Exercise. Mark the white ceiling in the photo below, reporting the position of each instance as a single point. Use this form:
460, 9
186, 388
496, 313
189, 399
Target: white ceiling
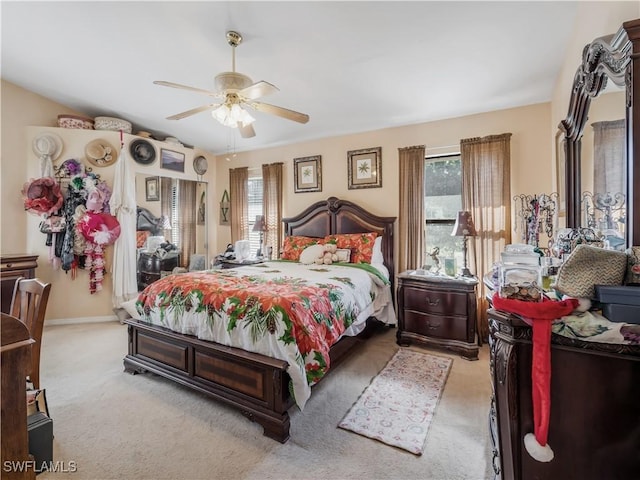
351, 66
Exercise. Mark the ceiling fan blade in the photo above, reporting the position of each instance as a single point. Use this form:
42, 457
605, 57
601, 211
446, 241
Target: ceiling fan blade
258, 89
247, 131
280, 111
193, 111
186, 87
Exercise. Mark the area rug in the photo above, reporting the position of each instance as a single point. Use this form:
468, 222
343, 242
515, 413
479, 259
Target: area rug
398, 405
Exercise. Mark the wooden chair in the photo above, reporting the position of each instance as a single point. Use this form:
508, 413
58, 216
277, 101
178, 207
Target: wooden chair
29, 304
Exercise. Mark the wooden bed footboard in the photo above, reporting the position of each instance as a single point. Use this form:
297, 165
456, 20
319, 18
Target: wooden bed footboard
255, 384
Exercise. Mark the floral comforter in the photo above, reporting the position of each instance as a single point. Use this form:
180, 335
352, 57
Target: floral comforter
285, 310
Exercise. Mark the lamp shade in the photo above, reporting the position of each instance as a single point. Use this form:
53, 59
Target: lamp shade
164, 223
259, 226
464, 225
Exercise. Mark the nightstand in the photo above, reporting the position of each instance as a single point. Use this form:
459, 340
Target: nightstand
151, 267
438, 311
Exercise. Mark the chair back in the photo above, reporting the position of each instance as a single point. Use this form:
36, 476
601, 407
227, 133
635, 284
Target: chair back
29, 303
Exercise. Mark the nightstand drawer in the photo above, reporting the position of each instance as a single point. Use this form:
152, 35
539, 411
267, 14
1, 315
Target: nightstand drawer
435, 302
438, 326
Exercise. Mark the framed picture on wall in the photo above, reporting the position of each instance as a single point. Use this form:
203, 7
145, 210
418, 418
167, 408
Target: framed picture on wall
365, 168
172, 160
307, 174
152, 189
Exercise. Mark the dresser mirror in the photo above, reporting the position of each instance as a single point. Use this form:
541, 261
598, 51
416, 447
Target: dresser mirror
601, 161
178, 207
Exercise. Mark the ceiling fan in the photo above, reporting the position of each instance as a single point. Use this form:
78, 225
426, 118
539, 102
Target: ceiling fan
236, 91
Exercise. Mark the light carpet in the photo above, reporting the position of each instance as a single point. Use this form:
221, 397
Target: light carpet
399, 404
114, 425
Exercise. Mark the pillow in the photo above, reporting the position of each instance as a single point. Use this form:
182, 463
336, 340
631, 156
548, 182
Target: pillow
633, 265
344, 255
310, 253
141, 237
377, 251
293, 246
588, 266
360, 244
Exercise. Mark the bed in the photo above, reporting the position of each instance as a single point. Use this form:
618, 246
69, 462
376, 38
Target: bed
262, 384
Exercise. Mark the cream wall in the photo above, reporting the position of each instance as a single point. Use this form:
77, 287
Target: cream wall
530, 158
594, 19
69, 298
19, 109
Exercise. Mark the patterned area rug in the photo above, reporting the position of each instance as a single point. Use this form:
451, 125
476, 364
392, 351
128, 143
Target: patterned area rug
398, 405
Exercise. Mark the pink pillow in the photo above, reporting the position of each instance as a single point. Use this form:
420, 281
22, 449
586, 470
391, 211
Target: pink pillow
360, 244
293, 246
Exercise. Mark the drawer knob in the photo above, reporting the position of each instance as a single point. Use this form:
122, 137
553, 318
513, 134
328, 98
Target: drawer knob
433, 303
9, 265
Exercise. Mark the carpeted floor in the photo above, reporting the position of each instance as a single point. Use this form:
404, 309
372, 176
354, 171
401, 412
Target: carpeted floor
113, 425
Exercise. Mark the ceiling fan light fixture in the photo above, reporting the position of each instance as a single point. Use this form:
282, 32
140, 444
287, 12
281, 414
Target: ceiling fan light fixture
233, 116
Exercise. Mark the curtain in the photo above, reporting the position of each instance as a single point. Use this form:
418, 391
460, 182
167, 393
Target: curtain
272, 206
609, 157
486, 193
166, 196
238, 186
411, 214
187, 213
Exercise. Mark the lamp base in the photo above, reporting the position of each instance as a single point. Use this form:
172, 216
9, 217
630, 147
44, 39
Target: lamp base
465, 272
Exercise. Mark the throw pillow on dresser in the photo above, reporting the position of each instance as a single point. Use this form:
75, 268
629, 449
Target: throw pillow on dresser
633, 266
588, 266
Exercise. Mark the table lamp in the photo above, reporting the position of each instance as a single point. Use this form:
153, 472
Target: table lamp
259, 226
464, 228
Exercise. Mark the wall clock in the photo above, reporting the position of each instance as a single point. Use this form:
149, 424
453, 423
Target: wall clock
200, 165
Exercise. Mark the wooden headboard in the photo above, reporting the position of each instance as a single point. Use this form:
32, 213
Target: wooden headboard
334, 216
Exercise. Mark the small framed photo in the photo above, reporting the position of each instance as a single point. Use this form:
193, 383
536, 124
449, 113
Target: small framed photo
172, 160
152, 189
365, 168
307, 174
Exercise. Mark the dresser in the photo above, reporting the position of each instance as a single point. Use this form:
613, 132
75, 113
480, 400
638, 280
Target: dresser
151, 267
438, 311
12, 267
594, 427
15, 352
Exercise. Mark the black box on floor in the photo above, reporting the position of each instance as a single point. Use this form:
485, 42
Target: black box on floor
40, 428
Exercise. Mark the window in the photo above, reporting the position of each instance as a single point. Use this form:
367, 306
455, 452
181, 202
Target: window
442, 201
255, 208
174, 195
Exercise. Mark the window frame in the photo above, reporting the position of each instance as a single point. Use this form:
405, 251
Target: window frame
440, 221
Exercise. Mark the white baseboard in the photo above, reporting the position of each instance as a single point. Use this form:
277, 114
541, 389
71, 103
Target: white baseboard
71, 321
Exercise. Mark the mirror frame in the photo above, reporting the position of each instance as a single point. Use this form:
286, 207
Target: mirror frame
615, 58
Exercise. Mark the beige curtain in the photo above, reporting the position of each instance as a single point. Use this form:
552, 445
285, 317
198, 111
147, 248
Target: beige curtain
486, 194
186, 220
411, 215
166, 197
609, 157
238, 185
272, 206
